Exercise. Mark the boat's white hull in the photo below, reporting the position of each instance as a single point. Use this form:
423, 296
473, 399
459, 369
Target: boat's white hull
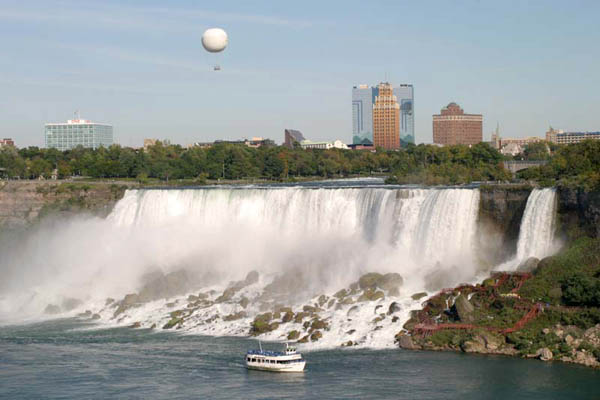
293, 367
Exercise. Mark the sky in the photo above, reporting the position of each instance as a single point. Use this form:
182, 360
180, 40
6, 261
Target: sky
140, 65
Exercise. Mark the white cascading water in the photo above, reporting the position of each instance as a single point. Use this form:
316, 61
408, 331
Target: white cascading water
328, 236
538, 225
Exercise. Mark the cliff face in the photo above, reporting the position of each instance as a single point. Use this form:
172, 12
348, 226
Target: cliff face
579, 212
23, 202
500, 211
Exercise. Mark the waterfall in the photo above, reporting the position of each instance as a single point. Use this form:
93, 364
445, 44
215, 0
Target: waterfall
536, 235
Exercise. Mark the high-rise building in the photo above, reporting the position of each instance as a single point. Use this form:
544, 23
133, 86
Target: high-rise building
78, 132
561, 137
386, 118
363, 101
291, 136
453, 126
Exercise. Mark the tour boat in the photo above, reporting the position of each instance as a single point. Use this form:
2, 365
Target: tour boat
288, 361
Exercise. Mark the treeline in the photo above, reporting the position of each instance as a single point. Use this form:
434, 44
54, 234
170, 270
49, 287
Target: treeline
414, 164
423, 164
570, 165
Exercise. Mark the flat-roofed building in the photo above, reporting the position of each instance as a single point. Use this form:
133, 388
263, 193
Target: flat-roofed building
562, 137
77, 132
453, 126
7, 142
386, 118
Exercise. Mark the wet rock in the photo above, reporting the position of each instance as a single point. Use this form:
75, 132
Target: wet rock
346, 301
161, 286
331, 303
340, 294
351, 332
71, 304
136, 325
191, 298
371, 295
227, 295
394, 308
95, 317
300, 316
319, 324
352, 311
52, 309
306, 325
153, 326
464, 309
395, 319
173, 322
304, 339
287, 317
311, 309
349, 343
528, 265
405, 342
171, 305
235, 316
293, 335
377, 307
251, 278
261, 324
375, 280
129, 301
85, 314
316, 335
418, 296
244, 302
378, 319
109, 301
322, 300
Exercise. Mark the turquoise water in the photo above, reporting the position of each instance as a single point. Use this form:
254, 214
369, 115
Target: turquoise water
68, 359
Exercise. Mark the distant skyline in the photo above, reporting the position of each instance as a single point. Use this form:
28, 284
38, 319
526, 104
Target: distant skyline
141, 66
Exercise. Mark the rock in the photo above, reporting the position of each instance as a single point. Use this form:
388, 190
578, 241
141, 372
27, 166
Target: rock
287, 317
395, 319
369, 281
394, 308
251, 278
191, 298
378, 319
418, 296
52, 309
555, 293
300, 316
377, 307
352, 311
349, 343
153, 326
95, 317
464, 309
440, 278
319, 324
136, 325
322, 300
171, 305
161, 286
475, 345
316, 335
311, 309
306, 324
346, 301
545, 354
331, 303
109, 301
340, 294
85, 314
391, 281
244, 302
235, 316
371, 295
293, 335
569, 339
528, 265
395, 292
304, 339
227, 295
174, 321
261, 324
351, 332
405, 342
70, 304
129, 301
546, 331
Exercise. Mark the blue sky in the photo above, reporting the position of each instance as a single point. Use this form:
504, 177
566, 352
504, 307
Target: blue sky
140, 66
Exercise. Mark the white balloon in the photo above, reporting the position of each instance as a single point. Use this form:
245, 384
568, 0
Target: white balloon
215, 40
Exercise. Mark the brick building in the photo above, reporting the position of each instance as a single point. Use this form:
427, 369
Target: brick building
453, 126
386, 118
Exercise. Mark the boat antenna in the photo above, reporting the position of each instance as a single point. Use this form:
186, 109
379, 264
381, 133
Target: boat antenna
259, 345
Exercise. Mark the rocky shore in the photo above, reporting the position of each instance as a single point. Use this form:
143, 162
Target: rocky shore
546, 309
